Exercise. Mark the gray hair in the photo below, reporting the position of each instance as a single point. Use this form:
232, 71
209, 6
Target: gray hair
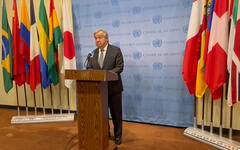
101, 30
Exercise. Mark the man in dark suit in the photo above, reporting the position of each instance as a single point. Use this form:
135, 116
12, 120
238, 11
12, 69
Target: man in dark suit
109, 57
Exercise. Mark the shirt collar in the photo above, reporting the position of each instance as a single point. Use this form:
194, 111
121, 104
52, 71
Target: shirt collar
104, 49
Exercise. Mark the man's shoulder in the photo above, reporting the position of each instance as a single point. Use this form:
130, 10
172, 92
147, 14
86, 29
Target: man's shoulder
113, 47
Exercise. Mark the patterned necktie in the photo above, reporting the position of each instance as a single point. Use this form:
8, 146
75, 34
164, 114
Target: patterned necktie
100, 61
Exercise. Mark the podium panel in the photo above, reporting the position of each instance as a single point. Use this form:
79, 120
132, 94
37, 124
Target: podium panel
92, 115
92, 98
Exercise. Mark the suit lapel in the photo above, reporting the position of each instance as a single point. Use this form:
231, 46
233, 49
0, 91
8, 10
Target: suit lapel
96, 58
106, 56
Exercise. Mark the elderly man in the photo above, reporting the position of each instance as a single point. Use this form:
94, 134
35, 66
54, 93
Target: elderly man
109, 57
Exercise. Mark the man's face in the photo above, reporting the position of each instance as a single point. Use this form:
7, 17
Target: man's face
100, 40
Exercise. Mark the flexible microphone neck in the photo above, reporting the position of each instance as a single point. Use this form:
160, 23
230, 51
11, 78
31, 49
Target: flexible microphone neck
87, 59
88, 56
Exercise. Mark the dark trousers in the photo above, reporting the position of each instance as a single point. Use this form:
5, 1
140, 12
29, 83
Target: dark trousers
115, 106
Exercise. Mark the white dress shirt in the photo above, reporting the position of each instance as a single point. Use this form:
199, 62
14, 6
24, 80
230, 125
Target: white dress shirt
104, 52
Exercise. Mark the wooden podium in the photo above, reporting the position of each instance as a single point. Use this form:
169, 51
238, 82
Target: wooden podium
92, 98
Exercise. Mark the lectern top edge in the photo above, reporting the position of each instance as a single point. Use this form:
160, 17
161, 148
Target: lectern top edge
91, 75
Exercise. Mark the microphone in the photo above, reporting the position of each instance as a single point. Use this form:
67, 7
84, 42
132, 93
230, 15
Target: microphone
90, 54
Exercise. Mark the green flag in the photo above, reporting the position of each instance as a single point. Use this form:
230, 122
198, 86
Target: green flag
7, 51
43, 31
55, 37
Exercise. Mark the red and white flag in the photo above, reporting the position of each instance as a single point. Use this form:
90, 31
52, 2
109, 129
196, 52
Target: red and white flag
34, 65
235, 66
69, 59
216, 64
231, 64
193, 44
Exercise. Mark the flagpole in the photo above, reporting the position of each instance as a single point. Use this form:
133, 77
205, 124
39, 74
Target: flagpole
26, 99
60, 98
221, 116
18, 109
51, 99
60, 95
211, 122
35, 103
231, 120
203, 102
68, 100
195, 110
43, 100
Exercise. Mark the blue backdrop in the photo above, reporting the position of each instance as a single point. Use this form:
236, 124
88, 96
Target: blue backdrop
151, 35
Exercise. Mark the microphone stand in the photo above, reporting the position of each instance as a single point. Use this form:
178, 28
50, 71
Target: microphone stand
87, 60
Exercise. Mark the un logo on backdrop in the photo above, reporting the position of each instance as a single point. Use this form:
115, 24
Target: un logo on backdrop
98, 14
185, 28
137, 33
157, 19
137, 77
79, 64
116, 23
77, 26
138, 97
183, 52
157, 43
115, 2
137, 55
117, 43
128, 97
136, 10
78, 46
158, 88
157, 66
187, 4
76, 7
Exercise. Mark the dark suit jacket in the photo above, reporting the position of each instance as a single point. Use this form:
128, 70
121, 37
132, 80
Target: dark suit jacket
113, 61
